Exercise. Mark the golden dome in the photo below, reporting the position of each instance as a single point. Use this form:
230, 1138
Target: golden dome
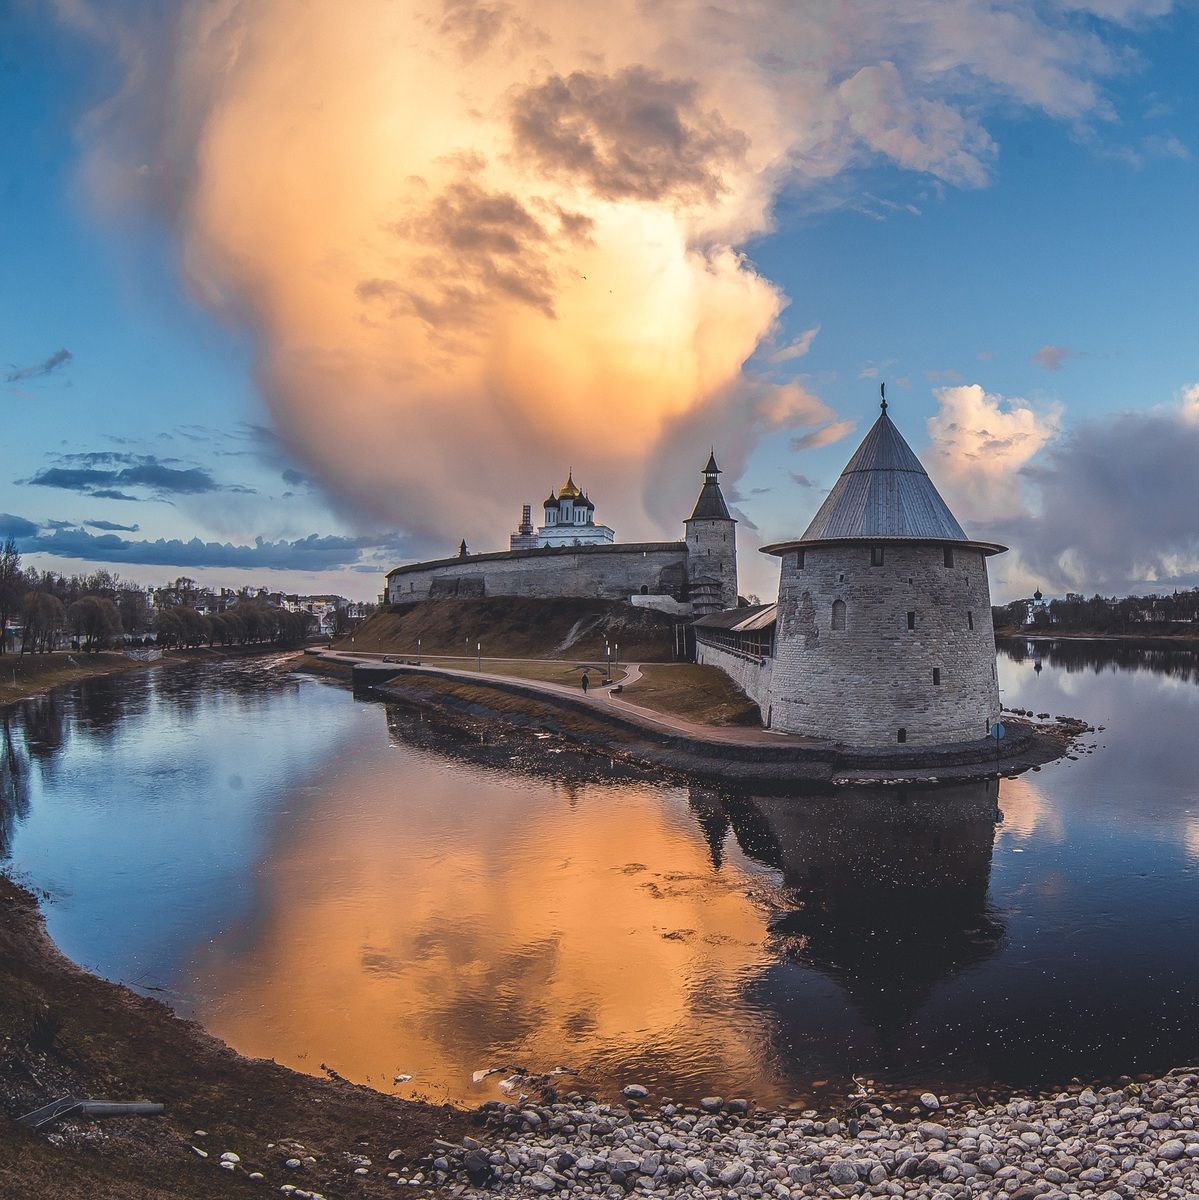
569, 488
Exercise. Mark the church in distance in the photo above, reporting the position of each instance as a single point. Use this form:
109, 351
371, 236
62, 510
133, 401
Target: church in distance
881, 634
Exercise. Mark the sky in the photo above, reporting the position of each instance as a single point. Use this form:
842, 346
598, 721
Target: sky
294, 293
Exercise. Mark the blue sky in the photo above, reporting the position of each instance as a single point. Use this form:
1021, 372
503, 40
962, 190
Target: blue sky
1063, 286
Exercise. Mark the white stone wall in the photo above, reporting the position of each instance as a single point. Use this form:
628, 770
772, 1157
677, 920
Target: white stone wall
860, 685
712, 546
751, 675
599, 572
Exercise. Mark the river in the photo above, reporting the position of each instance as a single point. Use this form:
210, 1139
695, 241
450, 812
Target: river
328, 881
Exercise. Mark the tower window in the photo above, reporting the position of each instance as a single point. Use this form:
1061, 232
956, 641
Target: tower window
949, 556
876, 556
911, 620
838, 614
799, 560
969, 620
936, 675
901, 735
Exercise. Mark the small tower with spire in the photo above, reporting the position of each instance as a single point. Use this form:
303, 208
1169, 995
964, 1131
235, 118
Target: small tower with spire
711, 547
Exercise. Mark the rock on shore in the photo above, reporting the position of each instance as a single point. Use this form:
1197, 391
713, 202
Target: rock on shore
1134, 1141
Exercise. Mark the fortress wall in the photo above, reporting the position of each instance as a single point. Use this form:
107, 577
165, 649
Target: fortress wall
606, 572
859, 685
751, 675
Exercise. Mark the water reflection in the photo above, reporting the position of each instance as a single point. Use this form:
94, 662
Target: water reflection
1091, 656
384, 891
886, 892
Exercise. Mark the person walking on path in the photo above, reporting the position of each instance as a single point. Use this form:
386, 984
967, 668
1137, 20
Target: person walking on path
586, 683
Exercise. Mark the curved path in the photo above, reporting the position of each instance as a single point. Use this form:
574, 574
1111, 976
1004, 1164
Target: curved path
598, 697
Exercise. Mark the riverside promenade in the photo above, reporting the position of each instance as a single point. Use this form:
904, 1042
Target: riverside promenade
729, 751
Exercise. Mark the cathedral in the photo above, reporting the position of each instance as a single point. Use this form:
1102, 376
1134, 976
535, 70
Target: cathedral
569, 521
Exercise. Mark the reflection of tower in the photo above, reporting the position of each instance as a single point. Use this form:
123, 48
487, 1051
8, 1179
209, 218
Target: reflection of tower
889, 889
713, 820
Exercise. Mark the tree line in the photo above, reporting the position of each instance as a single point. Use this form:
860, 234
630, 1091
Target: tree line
1103, 614
100, 609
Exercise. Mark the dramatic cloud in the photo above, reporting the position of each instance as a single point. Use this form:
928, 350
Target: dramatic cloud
632, 135
1115, 503
58, 359
980, 442
1053, 358
313, 553
1106, 506
474, 242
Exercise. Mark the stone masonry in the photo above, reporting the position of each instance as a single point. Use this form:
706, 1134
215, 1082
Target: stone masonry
862, 684
606, 572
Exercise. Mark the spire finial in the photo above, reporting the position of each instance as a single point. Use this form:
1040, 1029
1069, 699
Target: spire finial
882, 392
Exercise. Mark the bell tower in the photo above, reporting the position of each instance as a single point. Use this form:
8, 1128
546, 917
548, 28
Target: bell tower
711, 547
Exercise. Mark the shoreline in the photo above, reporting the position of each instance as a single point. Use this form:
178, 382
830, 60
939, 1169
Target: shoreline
723, 755
70, 1032
1149, 640
48, 675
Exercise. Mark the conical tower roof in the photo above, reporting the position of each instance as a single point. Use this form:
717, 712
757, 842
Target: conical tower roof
710, 505
884, 494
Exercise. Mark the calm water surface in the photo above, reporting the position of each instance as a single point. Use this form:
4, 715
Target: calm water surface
324, 880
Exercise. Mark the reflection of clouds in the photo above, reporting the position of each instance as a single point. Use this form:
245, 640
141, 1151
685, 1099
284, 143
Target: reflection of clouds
439, 931
1190, 836
1027, 812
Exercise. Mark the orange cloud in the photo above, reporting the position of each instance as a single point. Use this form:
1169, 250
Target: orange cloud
477, 241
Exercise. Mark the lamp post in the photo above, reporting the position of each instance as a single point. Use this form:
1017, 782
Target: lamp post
479, 653
608, 659
418, 652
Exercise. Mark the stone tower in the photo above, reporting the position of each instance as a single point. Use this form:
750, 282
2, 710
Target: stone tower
884, 619
711, 548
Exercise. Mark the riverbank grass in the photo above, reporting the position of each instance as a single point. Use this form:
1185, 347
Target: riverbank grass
702, 694
23, 675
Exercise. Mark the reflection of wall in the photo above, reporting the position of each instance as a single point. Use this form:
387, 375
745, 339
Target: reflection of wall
888, 887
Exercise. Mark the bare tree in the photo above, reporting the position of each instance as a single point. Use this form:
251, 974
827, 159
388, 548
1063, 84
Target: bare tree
44, 616
12, 588
95, 621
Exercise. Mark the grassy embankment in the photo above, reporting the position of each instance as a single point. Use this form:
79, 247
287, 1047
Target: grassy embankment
24, 675
552, 640
705, 695
510, 627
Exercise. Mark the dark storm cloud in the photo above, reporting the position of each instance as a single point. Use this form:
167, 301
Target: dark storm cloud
635, 134
313, 553
111, 527
57, 360
108, 473
15, 527
1118, 498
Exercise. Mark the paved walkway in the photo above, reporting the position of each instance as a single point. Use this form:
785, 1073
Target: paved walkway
601, 699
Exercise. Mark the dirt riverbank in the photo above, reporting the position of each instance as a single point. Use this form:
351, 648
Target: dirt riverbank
66, 1032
